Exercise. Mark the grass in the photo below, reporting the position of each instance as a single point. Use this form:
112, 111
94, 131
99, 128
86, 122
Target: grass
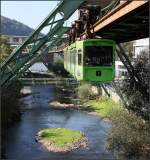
104, 106
60, 137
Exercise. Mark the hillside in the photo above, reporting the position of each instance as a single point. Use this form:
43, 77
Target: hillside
13, 27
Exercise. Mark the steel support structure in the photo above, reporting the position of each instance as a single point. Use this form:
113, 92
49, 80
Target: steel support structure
39, 54
133, 75
105, 89
116, 86
17, 63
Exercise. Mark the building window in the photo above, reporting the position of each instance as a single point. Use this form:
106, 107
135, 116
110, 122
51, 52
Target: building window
16, 39
121, 67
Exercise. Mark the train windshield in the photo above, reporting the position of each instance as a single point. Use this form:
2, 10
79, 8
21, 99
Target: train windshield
98, 55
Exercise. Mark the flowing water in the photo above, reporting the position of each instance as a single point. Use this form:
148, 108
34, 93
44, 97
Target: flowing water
36, 114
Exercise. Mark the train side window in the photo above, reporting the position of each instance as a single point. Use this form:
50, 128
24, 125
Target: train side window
79, 50
79, 59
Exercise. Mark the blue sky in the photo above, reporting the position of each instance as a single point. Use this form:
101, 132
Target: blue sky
30, 13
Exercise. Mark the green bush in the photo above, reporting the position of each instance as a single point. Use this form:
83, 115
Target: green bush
104, 106
5, 48
83, 91
58, 69
137, 93
86, 91
129, 135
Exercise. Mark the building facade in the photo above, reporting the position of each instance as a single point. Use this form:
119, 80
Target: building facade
139, 46
120, 70
15, 40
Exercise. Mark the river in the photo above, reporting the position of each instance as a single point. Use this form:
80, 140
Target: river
20, 141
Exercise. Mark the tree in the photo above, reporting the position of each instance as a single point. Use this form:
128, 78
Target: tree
5, 48
136, 99
58, 68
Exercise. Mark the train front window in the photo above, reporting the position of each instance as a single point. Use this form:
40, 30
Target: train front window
98, 55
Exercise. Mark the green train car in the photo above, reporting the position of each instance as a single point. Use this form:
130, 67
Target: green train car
91, 60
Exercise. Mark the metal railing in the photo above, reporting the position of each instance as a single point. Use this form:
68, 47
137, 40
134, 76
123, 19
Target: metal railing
42, 81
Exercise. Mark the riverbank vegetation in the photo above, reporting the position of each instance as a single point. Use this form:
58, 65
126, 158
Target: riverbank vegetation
4, 48
128, 136
86, 91
58, 69
138, 94
9, 109
61, 139
104, 106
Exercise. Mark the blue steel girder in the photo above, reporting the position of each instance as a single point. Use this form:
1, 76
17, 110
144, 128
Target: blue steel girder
37, 43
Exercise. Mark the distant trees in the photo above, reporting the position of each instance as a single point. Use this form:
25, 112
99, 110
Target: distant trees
5, 48
58, 68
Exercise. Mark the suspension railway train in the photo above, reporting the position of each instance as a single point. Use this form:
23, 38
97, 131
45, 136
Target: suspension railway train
91, 60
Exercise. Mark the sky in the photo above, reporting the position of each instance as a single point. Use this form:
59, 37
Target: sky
31, 13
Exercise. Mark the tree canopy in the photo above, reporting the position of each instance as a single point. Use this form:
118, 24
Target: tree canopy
5, 48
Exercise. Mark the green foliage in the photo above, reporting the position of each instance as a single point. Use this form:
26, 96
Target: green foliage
9, 98
129, 135
104, 106
61, 136
132, 92
58, 69
83, 91
5, 48
86, 91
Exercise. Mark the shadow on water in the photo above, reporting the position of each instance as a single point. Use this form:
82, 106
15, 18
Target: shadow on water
36, 114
